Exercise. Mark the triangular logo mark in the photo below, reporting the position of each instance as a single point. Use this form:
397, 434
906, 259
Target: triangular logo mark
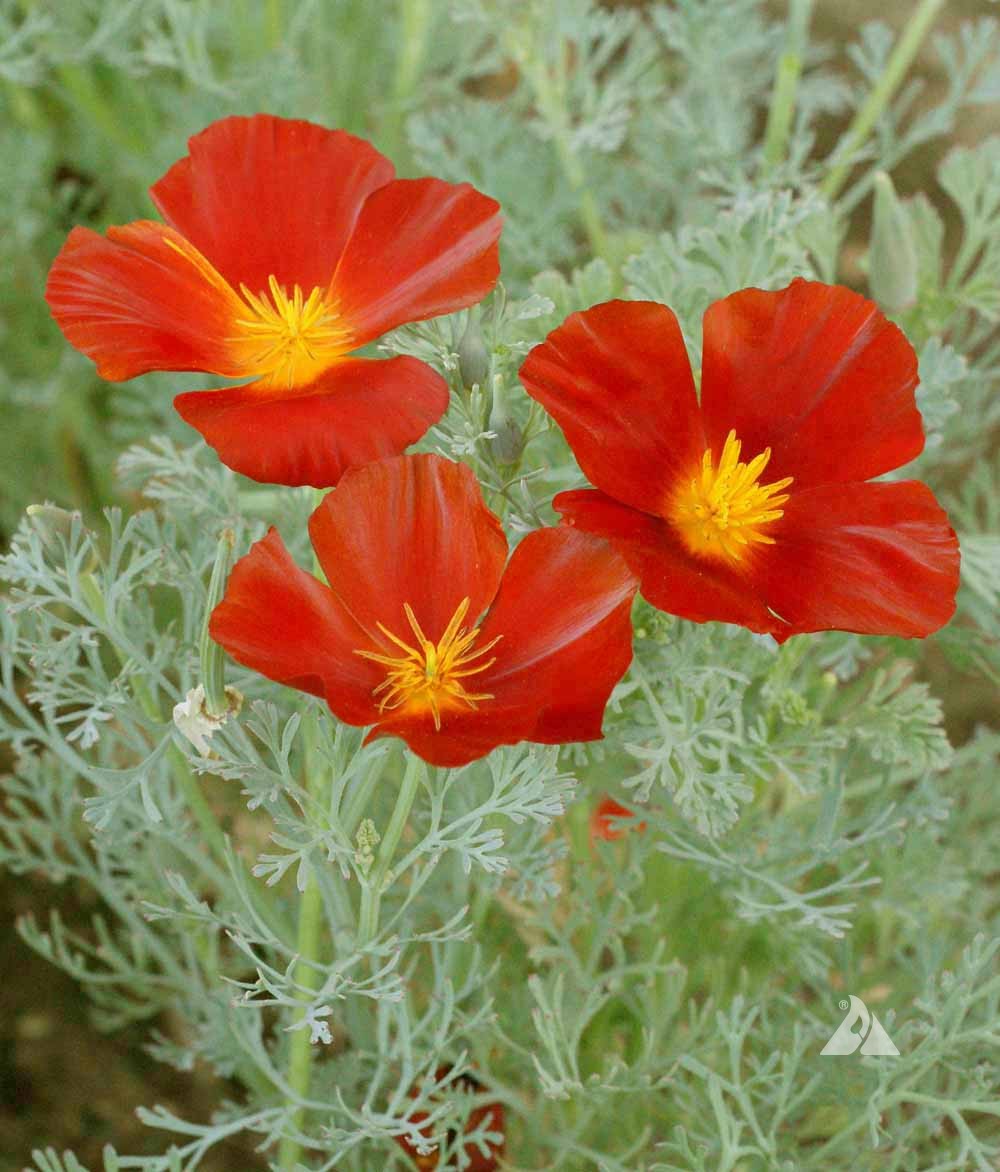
870, 1037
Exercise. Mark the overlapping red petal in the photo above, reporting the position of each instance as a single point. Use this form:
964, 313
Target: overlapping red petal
359, 411
413, 532
617, 380
265, 195
670, 578
608, 820
312, 223
282, 622
420, 248
815, 373
140, 299
877, 559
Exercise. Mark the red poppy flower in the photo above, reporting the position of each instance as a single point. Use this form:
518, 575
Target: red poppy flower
286, 247
753, 506
489, 1117
413, 557
603, 820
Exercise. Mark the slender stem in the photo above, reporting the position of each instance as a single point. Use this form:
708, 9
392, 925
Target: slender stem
371, 896
414, 27
307, 969
892, 77
786, 82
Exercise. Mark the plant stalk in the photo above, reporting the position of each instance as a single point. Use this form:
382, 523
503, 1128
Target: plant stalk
786, 82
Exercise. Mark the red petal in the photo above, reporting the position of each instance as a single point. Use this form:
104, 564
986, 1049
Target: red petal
670, 579
142, 299
617, 380
877, 559
413, 530
604, 816
266, 195
421, 247
816, 373
358, 411
282, 622
564, 616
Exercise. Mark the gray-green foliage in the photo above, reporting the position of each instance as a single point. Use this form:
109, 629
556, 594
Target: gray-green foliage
656, 1003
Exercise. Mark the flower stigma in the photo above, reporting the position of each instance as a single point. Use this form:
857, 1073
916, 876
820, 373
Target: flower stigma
428, 676
724, 509
289, 340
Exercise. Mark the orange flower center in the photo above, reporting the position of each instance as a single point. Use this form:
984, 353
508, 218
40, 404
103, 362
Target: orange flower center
723, 509
427, 676
287, 341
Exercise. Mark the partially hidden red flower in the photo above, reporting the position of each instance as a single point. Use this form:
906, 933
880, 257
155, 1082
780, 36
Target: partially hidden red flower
489, 1117
605, 824
413, 557
755, 504
285, 247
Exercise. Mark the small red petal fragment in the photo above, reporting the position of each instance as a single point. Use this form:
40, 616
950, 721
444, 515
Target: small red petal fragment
358, 411
602, 820
420, 248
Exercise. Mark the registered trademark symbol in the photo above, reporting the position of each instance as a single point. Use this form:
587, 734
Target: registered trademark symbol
844, 1004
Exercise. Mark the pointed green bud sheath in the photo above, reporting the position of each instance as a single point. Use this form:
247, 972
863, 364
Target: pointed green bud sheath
51, 523
508, 440
892, 258
213, 669
473, 357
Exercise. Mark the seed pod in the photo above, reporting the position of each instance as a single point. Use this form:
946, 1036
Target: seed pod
892, 257
508, 439
473, 357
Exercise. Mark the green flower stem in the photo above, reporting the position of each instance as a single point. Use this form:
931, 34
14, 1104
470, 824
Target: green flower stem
371, 896
786, 82
885, 88
309, 939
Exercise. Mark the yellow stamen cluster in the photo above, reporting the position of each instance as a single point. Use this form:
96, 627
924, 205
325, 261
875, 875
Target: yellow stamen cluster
289, 340
428, 677
722, 511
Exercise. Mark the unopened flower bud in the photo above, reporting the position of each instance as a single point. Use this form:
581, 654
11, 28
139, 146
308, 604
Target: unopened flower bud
508, 439
473, 357
213, 667
892, 257
51, 523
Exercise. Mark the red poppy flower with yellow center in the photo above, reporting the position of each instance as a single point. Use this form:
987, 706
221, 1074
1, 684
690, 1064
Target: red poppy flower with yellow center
413, 558
285, 248
755, 505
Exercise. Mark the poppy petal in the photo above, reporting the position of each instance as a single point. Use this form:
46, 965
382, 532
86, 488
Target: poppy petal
282, 622
357, 411
409, 531
617, 380
142, 298
876, 559
562, 618
670, 578
816, 373
269, 196
420, 248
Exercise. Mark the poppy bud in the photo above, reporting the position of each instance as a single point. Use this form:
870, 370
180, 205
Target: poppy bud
489, 1117
602, 820
50, 522
892, 257
212, 655
508, 439
473, 357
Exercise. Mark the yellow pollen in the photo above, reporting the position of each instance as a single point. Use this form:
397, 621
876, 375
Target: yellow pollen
288, 340
428, 677
722, 511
